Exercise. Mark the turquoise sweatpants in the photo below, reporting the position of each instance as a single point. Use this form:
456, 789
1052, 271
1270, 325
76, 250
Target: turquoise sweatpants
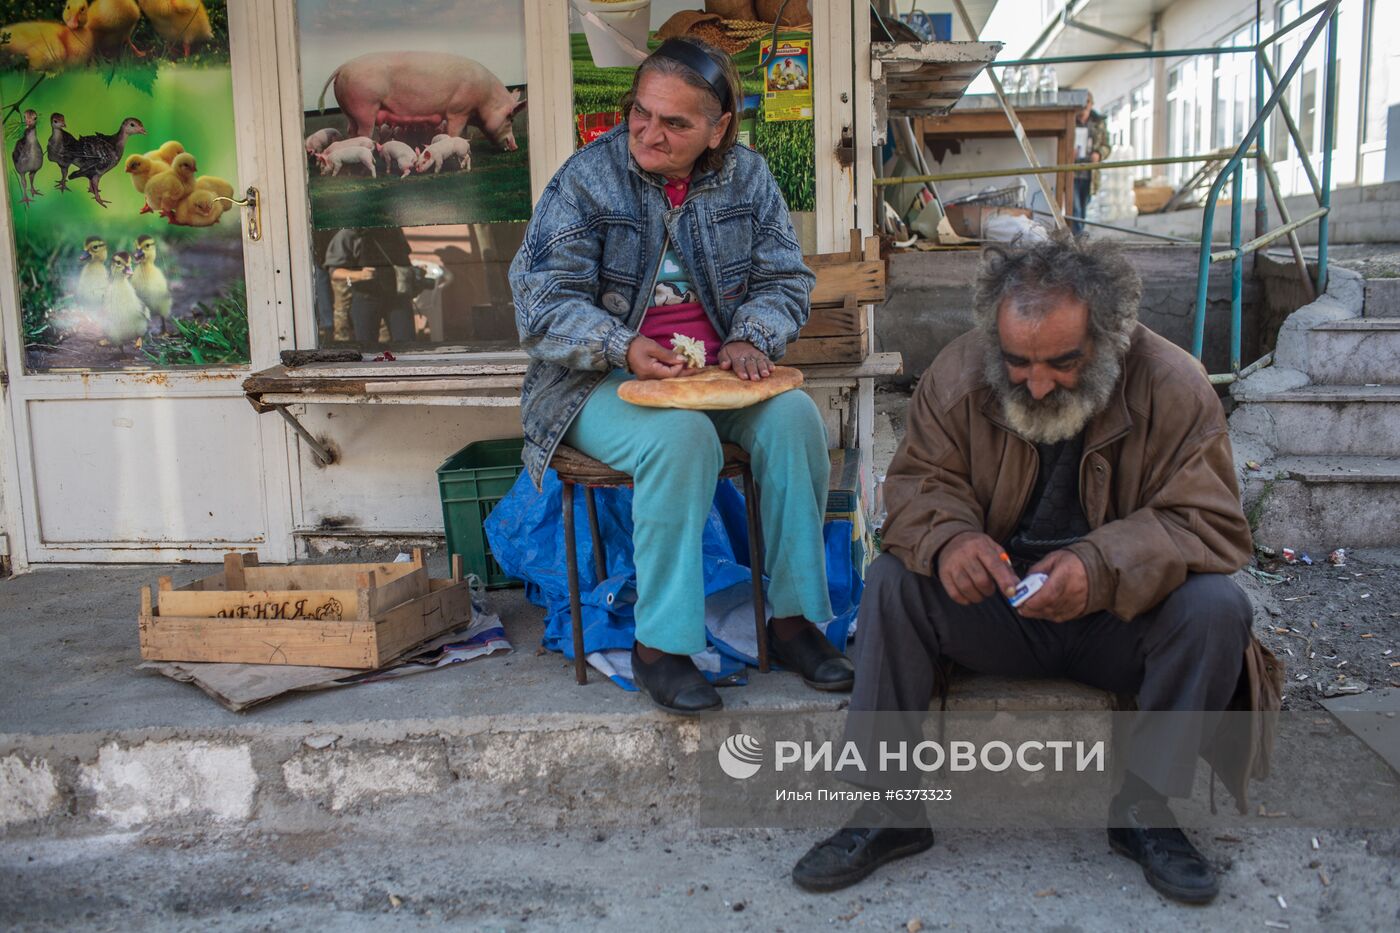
674, 459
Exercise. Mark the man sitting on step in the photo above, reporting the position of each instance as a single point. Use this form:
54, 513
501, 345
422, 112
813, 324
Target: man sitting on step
1060, 437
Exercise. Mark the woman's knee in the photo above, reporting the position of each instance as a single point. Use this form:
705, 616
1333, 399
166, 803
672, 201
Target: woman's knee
677, 437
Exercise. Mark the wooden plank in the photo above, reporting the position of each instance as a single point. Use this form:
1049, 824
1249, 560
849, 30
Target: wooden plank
288, 605
456, 399
831, 322
458, 384
864, 280
417, 621
260, 641
478, 364
233, 571
876, 364
165, 584
320, 576
809, 350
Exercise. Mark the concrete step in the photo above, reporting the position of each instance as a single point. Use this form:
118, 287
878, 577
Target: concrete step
1359, 351
1317, 504
1382, 298
1322, 420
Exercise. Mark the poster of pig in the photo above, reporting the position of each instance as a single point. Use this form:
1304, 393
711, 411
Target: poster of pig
120, 167
414, 112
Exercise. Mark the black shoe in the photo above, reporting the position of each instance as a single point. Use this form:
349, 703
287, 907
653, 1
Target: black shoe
1169, 861
853, 852
812, 655
673, 683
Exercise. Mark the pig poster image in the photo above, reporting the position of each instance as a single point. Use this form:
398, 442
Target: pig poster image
609, 37
119, 145
414, 117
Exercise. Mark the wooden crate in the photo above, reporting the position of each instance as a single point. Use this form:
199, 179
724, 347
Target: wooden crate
328, 615
837, 330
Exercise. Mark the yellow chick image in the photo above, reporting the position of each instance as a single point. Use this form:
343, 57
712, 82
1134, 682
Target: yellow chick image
125, 317
167, 152
93, 280
167, 189
179, 22
198, 210
142, 169
149, 281
213, 183
47, 46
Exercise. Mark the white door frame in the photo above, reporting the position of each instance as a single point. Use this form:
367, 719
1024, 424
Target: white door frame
255, 90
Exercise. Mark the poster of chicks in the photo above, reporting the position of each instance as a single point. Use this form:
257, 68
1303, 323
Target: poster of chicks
414, 112
610, 37
119, 145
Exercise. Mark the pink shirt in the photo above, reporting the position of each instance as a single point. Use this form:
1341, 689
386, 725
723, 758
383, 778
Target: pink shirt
675, 307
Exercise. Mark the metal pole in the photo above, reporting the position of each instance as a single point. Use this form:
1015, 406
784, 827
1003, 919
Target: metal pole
1123, 56
1236, 265
1053, 203
1283, 213
1261, 207
1045, 169
1329, 113
1134, 230
1288, 121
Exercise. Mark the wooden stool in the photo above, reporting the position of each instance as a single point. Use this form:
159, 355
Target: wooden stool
578, 469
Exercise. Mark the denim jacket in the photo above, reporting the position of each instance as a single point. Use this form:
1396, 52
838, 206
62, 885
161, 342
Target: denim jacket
584, 276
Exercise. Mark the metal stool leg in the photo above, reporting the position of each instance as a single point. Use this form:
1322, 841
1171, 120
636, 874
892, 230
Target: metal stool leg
575, 607
600, 563
756, 565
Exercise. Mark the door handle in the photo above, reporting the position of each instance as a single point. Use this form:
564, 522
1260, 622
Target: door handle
252, 200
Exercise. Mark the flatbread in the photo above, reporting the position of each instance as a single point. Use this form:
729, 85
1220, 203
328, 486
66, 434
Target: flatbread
708, 389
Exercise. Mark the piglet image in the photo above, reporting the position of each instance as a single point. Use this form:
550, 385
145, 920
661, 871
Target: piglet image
320, 139
332, 162
424, 91
442, 153
398, 157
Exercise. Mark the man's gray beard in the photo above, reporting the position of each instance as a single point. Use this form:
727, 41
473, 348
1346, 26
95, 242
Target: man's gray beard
1064, 412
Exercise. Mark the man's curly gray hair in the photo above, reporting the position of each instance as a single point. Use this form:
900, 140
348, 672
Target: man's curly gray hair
1033, 277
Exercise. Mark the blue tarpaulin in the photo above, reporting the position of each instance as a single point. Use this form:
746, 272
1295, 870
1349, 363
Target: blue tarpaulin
526, 533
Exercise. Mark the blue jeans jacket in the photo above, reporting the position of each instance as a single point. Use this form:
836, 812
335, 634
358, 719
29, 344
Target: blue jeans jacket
584, 276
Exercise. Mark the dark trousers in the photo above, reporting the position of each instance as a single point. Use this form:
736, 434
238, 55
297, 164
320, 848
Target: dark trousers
1184, 655
1083, 191
367, 310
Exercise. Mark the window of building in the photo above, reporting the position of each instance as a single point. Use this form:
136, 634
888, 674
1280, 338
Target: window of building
1233, 82
1140, 126
1383, 77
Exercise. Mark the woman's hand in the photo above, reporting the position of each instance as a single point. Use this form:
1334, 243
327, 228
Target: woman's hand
647, 359
747, 361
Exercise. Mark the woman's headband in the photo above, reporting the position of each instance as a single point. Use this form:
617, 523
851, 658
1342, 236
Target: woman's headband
698, 61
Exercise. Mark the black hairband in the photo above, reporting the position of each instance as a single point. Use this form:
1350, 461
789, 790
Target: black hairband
700, 62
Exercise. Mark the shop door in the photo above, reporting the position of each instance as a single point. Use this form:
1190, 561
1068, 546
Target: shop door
135, 299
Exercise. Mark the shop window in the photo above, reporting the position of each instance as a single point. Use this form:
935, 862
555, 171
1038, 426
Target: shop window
418, 169
119, 137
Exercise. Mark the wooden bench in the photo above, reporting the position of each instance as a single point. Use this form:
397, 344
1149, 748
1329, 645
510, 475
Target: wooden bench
832, 349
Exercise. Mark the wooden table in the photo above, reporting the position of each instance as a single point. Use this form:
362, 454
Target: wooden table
974, 119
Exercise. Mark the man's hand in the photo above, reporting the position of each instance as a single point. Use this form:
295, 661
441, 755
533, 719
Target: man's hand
1065, 595
647, 359
747, 360
972, 567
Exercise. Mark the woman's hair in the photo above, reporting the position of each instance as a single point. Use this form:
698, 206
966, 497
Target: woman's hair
713, 108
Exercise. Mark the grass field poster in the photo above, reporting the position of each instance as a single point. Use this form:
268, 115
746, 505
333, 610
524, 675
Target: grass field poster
119, 145
610, 37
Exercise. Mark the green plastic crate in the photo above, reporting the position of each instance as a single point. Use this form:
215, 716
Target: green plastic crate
471, 482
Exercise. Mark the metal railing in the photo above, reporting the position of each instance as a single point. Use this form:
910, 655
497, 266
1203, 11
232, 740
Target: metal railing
1326, 14
1233, 171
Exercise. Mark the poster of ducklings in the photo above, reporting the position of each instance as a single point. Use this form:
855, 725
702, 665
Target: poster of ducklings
119, 146
610, 37
412, 116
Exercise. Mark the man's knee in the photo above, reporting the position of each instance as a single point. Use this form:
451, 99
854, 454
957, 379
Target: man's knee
1209, 609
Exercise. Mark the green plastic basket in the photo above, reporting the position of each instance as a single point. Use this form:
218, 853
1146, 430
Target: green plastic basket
471, 482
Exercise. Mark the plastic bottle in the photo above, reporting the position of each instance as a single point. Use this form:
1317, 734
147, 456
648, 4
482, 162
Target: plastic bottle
1010, 82
1029, 77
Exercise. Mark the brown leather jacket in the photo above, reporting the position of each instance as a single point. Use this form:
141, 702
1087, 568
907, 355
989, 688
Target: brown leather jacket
1157, 483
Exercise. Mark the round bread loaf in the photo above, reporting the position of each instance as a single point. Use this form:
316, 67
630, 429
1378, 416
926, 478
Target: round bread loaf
708, 389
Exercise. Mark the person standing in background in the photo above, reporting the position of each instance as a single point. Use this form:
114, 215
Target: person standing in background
1090, 145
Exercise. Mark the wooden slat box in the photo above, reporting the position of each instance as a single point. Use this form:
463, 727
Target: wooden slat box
327, 615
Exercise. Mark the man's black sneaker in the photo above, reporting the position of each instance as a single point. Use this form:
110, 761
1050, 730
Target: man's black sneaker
673, 683
854, 851
1169, 861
